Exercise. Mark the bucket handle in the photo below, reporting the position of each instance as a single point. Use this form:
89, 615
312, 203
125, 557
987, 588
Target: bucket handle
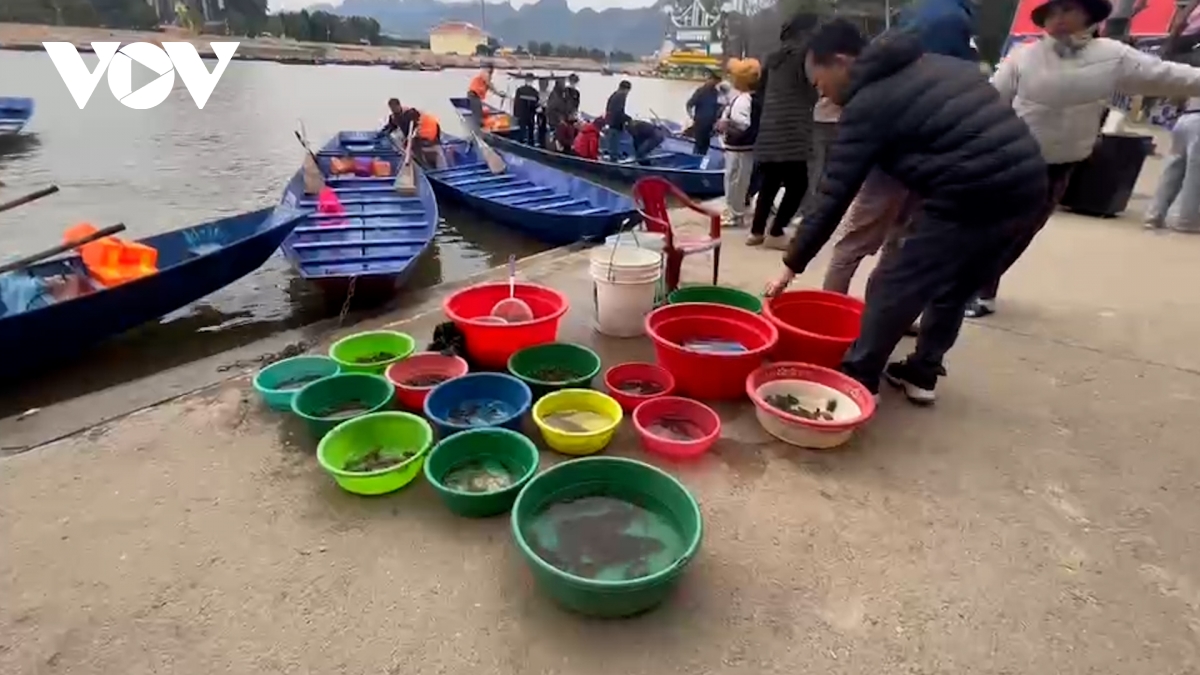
612, 256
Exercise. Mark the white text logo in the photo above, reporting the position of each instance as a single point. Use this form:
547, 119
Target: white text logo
180, 57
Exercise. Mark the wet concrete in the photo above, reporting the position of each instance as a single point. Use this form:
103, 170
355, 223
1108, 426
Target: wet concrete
1034, 521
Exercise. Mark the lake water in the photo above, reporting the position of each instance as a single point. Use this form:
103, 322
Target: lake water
175, 165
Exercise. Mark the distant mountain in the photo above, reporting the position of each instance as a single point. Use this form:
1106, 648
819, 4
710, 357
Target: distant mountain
637, 31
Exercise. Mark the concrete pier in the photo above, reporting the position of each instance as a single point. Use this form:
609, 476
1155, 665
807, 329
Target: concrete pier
1038, 519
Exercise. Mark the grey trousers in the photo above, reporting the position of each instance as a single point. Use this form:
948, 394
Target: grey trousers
1181, 177
739, 165
881, 205
935, 270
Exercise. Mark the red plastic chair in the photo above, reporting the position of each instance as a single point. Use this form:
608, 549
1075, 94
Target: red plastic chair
650, 198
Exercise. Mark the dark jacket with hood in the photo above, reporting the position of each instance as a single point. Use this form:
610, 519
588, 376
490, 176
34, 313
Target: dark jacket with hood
785, 130
944, 27
935, 124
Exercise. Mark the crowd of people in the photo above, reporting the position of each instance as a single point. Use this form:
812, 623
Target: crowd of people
901, 145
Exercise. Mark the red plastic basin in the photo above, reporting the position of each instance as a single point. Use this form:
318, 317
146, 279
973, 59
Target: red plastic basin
707, 375
491, 344
640, 372
675, 411
411, 397
814, 326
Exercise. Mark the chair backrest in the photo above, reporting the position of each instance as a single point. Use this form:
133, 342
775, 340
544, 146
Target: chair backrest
650, 198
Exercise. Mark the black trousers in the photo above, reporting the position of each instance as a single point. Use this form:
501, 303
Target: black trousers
935, 271
1058, 176
792, 178
703, 139
476, 105
528, 129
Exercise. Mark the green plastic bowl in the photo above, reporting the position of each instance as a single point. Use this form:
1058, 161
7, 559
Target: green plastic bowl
532, 366
720, 295
384, 432
515, 452
272, 382
631, 481
361, 393
366, 352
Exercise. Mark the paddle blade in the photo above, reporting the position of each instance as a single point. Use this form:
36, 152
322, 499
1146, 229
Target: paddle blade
406, 180
314, 180
494, 162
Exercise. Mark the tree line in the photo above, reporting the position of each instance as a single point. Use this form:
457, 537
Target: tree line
535, 48
240, 17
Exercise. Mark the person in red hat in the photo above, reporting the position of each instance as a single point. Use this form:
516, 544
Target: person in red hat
1061, 85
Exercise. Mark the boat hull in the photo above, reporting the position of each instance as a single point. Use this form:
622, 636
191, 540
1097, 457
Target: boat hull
192, 262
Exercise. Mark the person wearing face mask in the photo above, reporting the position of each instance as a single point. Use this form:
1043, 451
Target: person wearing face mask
934, 124
1061, 85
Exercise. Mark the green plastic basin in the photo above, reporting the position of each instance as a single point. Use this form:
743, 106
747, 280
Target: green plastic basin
570, 483
489, 447
372, 351
329, 401
555, 365
386, 434
720, 295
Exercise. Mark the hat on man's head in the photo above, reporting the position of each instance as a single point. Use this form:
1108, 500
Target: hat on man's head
1097, 11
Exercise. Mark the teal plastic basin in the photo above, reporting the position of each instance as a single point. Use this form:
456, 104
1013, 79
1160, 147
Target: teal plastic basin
279, 382
328, 402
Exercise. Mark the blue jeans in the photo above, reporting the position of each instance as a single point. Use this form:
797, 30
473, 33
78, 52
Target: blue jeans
611, 143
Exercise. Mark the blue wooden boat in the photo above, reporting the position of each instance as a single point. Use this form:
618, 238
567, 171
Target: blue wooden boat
379, 239
543, 202
53, 310
14, 114
697, 176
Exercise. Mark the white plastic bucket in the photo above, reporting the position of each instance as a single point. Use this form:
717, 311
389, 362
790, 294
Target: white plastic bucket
651, 241
624, 284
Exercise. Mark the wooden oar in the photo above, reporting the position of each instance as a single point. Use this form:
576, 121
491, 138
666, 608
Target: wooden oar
406, 178
31, 197
61, 248
314, 180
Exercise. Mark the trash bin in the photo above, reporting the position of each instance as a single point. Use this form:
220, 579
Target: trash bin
1103, 183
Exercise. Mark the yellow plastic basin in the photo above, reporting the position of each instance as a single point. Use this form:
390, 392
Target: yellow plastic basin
583, 401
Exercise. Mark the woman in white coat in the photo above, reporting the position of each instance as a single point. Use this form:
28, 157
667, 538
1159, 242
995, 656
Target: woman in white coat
1061, 85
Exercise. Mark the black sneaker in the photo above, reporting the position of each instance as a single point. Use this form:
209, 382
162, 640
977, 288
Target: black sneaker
918, 383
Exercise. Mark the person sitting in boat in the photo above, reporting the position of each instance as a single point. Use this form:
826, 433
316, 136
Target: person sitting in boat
614, 112
587, 141
571, 95
564, 136
526, 101
478, 90
646, 139
704, 107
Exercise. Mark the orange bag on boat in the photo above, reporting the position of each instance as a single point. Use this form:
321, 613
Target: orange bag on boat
113, 261
381, 168
496, 122
340, 166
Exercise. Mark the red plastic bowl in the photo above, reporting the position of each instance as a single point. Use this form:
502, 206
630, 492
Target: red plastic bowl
490, 344
707, 375
814, 326
685, 410
800, 430
644, 372
410, 397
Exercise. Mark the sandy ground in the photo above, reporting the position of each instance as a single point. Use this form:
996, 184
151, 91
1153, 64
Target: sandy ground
1037, 520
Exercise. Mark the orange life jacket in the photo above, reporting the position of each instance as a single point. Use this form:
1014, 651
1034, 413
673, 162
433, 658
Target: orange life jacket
479, 86
113, 261
428, 128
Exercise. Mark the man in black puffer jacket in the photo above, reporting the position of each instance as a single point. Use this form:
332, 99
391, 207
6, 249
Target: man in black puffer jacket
937, 126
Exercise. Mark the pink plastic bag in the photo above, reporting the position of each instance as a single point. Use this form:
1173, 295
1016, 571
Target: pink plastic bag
329, 204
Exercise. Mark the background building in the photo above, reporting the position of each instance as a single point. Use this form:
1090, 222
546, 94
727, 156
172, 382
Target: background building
456, 37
